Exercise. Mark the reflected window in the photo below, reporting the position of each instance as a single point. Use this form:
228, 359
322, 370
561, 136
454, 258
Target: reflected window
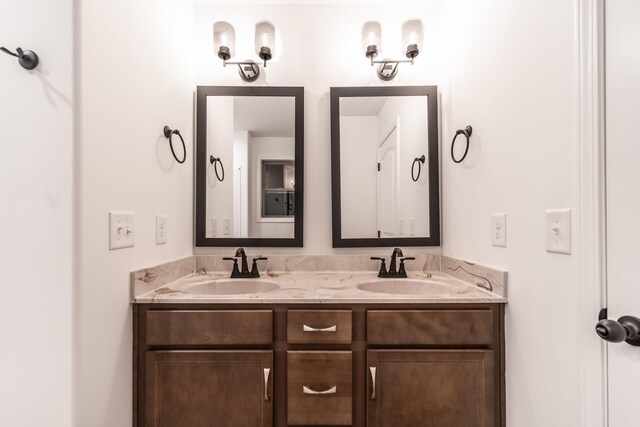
278, 188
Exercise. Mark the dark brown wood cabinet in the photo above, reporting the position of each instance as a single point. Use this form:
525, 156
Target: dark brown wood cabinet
262, 365
208, 388
438, 388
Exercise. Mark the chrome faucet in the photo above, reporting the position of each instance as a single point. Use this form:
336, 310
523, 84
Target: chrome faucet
392, 273
244, 273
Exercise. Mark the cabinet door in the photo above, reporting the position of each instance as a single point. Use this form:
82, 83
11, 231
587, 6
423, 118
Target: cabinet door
208, 388
435, 388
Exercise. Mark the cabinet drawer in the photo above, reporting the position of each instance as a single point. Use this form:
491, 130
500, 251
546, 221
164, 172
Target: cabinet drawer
319, 387
209, 327
430, 327
319, 326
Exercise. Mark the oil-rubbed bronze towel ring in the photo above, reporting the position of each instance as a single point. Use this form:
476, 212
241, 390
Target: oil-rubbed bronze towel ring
168, 133
467, 133
420, 161
215, 161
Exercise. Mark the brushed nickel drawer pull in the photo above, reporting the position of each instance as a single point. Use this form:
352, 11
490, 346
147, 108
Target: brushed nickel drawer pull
332, 390
306, 328
373, 382
266, 371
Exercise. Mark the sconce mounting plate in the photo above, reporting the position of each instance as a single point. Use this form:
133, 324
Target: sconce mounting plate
249, 71
387, 70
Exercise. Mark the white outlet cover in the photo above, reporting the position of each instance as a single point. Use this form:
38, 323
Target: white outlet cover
412, 226
214, 227
401, 226
161, 229
499, 230
558, 231
227, 226
122, 230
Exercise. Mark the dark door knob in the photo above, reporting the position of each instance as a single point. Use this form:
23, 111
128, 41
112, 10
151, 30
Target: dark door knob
627, 328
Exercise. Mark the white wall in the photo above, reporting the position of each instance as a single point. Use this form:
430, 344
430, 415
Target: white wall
358, 196
135, 68
512, 74
313, 54
220, 144
36, 195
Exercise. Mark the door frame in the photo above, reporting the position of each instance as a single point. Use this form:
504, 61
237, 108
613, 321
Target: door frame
592, 351
394, 126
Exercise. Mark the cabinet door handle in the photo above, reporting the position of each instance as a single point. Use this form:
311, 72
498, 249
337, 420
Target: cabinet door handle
306, 328
332, 390
373, 382
266, 371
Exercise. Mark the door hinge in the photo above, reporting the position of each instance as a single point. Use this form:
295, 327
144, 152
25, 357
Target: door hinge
378, 166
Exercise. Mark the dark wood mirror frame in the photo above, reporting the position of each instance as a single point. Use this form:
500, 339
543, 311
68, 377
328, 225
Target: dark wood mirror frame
203, 92
433, 159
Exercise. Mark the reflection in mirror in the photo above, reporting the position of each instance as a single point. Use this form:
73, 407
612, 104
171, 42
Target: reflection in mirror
387, 182
254, 136
380, 137
247, 195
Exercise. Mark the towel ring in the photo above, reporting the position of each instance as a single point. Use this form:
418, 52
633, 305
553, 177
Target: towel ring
215, 161
420, 161
467, 133
168, 133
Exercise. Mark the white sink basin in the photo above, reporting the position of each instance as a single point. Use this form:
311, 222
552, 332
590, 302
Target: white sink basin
234, 287
404, 287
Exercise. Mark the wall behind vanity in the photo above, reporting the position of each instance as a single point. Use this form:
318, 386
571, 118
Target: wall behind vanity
317, 46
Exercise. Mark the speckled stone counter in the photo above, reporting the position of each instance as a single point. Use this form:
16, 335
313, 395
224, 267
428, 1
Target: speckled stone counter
318, 279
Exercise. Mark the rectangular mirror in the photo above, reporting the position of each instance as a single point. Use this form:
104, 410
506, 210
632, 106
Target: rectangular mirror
384, 166
249, 166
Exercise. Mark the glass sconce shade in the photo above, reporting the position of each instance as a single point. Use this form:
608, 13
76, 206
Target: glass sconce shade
412, 37
371, 39
265, 41
223, 40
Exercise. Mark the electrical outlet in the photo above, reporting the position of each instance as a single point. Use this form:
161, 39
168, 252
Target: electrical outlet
558, 231
161, 229
227, 226
499, 229
401, 226
214, 227
122, 230
412, 226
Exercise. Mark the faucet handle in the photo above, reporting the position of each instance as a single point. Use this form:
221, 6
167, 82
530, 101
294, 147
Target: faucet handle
235, 270
383, 266
401, 271
254, 266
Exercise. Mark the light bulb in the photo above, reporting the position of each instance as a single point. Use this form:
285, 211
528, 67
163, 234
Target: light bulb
265, 39
413, 37
223, 39
372, 38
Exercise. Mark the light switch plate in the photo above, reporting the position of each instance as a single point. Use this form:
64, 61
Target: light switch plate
214, 227
499, 230
122, 230
558, 231
401, 226
161, 229
412, 226
227, 226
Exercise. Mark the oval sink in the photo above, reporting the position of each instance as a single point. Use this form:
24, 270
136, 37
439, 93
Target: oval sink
404, 287
233, 287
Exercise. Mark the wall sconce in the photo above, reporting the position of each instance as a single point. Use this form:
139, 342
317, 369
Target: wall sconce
224, 42
388, 68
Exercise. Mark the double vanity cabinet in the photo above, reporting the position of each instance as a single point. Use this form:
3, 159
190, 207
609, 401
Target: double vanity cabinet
300, 364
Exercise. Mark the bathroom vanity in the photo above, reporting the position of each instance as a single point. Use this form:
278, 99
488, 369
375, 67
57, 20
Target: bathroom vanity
315, 348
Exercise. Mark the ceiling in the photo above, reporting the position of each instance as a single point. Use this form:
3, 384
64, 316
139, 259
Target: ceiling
365, 106
265, 116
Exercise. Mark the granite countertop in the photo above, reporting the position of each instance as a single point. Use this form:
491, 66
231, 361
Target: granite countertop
317, 287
